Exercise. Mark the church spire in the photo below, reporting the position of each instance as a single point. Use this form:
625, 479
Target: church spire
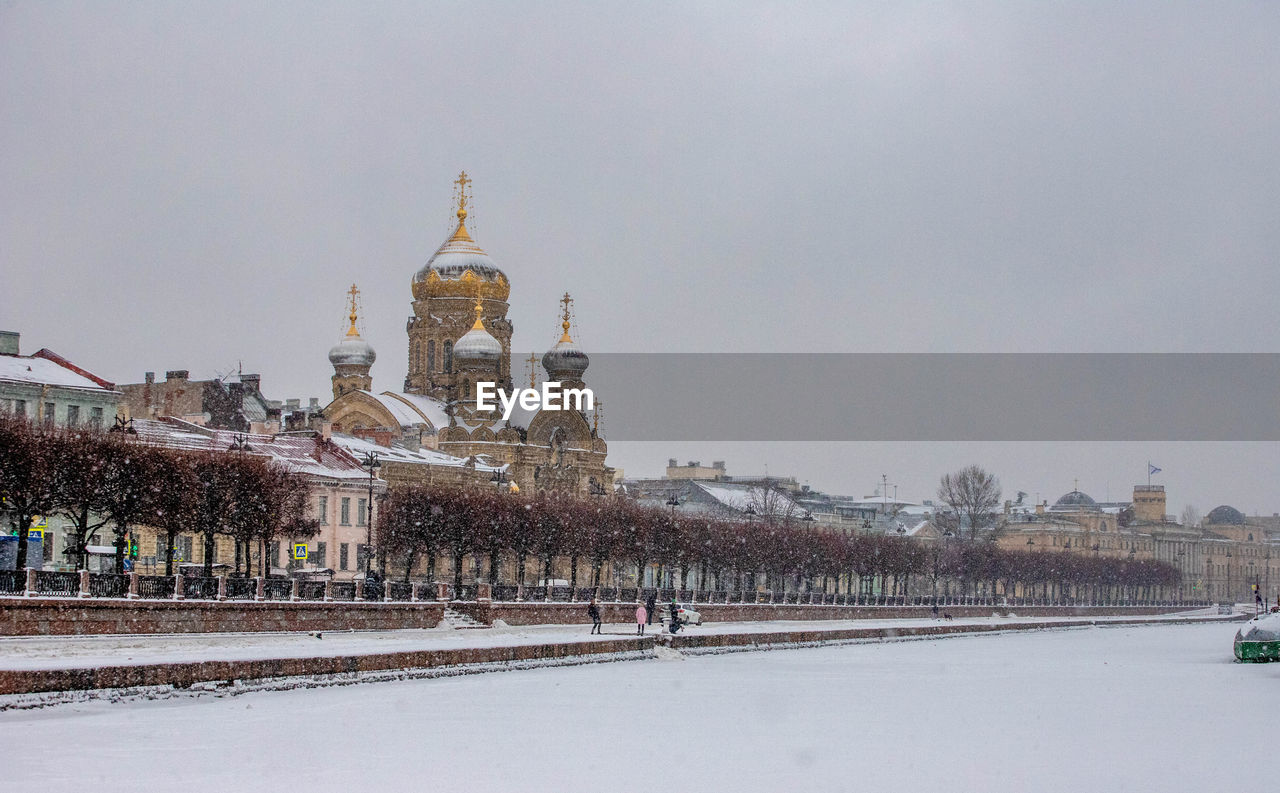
565, 301
461, 233
353, 293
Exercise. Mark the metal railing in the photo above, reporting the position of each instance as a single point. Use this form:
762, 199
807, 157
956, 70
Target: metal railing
342, 590
108, 585
200, 588
242, 588
155, 587
535, 593
13, 582
277, 589
311, 590
49, 582
401, 591
560, 593
506, 593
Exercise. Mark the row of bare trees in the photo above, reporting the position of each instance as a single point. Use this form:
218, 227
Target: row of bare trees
430, 523
96, 479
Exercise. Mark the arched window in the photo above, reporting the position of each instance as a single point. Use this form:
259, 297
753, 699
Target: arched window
431, 355
448, 356
1103, 526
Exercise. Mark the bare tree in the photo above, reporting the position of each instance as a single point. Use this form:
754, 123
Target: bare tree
26, 477
770, 503
77, 482
973, 495
1190, 515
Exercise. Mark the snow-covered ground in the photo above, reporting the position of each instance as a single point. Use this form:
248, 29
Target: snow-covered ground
1109, 708
59, 652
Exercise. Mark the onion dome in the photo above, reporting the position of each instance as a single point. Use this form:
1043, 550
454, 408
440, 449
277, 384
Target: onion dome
566, 360
352, 350
1225, 516
477, 347
461, 268
1075, 501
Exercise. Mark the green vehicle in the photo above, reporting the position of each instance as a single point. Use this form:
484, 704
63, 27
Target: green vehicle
1259, 639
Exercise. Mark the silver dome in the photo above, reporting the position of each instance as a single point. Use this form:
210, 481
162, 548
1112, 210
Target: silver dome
566, 358
352, 351
477, 346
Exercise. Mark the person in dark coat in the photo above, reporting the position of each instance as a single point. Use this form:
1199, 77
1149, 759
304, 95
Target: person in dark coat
593, 611
651, 605
675, 616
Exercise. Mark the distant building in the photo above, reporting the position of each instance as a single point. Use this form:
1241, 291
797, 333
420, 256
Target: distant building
48, 388
696, 470
234, 402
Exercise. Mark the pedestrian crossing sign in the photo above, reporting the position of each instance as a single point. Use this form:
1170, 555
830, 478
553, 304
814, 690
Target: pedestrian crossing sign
300, 551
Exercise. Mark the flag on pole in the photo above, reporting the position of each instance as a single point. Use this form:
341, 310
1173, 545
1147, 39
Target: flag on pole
1151, 469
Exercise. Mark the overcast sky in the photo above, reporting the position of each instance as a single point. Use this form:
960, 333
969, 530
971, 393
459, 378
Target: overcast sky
194, 185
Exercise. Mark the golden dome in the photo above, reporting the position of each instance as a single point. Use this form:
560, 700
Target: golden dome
460, 267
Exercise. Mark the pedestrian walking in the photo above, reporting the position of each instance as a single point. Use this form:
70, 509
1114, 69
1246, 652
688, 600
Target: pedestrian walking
642, 616
593, 611
651, 605
674, 609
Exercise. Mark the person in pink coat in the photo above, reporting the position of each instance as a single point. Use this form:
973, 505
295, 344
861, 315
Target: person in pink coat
642, 616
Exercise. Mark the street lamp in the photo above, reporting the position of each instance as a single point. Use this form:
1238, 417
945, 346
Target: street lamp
371, 462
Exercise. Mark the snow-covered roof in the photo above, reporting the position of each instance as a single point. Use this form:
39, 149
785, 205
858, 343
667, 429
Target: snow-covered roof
411, 409
301, 453
42, 371
359, 447
740, 497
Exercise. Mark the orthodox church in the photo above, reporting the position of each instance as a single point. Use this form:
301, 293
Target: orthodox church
459, 335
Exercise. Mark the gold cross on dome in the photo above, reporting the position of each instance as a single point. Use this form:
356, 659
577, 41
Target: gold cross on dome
354, 293
533, 370
462, 181
565, 301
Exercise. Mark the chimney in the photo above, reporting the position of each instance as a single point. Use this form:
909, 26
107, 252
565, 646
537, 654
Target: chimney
1040, 507
292, 404
9, 342
718, 465
251, 382
149, 378
177, 374
314, 404
671, 462
322, 426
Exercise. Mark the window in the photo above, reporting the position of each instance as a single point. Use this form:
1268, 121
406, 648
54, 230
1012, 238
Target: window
362, 551
73, 415
50, 412
319, 557
323, 509
95, 417
20, 407
273, 554
182, 548
361, 506
431, 355
346, 512
344, 552
448, 356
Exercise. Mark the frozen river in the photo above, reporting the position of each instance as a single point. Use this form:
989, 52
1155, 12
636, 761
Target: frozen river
1134, 708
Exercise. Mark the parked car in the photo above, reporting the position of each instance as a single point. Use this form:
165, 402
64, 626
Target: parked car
1226, 608
688, 616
